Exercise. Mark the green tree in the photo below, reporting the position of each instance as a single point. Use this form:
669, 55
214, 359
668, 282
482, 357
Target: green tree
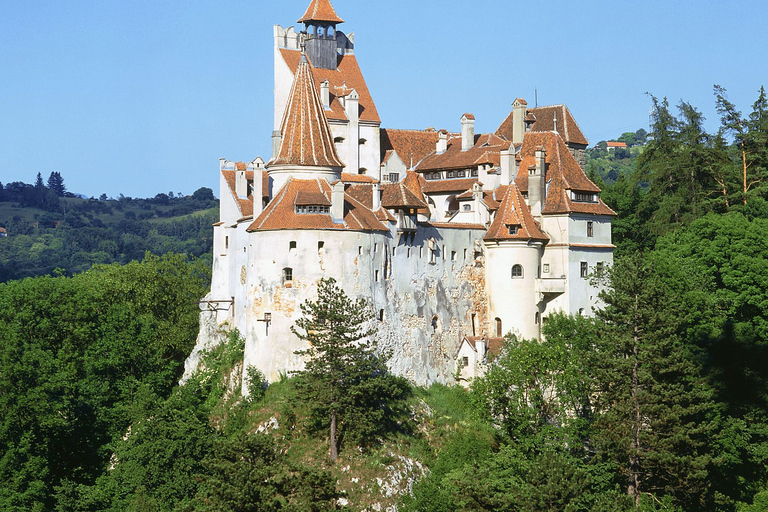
346, 379
56, 183
652, 403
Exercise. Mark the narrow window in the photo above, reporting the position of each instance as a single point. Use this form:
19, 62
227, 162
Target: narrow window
546, 268
226, 242
584, 269
291, 245
581, 311
320, 245
381, 315
444, 252
359, 249
498, 327
517, 271
474, 317
590, 229
375, 246
287, 275
453, 255
465, 361
465, 254
599, 268
376, 275
421, 251
434, 322
409, 253
536, 318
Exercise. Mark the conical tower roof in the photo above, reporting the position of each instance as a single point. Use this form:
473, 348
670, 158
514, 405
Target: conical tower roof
306, 136
320, 10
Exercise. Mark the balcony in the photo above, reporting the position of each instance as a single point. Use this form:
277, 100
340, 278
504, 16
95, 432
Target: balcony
554, 286
405, 222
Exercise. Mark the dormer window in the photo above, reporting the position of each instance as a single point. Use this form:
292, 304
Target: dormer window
584, 197
460, 174
451, 174
513, 229
312, 208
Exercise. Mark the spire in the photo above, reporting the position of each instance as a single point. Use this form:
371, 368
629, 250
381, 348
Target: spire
306, 136
320, 10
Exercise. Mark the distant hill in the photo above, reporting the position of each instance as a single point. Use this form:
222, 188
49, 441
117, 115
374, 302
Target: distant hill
51, 233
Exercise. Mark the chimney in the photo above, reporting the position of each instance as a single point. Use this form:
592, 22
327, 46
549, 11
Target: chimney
442, 142
467, 132
375, 196
325, 94
507, 165
477, 198
480, 346
337, 202
241, 185
352, 108
518, 120
258, 189
277, 139
537, 183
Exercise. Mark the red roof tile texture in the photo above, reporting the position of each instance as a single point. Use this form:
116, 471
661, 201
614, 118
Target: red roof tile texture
346, 77
321, 10
514, 212
563, 174
412, 146
487, 150
307, 138
281, 214
545, 122
454, 185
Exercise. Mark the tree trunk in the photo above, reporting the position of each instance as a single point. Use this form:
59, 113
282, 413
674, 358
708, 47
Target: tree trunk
334, 446
744, 166
633, 488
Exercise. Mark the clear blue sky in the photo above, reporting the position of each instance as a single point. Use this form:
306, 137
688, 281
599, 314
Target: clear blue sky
144, 97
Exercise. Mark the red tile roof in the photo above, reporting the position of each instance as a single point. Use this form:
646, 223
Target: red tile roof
411, 145
492, 345
281, 212
347, 177
452, 185
246, 205
563, 174
454, 225
616, 144
545, 122
514, 212
347, 74
398, 195
307, 138
487, 150
321, 10
362, 193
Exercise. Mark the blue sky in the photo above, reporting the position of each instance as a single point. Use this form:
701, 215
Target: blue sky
144, 97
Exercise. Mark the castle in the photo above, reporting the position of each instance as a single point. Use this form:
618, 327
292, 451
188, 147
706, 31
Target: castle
453, 238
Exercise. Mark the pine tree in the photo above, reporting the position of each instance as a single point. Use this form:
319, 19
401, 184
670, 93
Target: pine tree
652, 401
345, 380
56, 183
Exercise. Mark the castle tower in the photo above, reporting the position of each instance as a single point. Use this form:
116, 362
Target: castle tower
306, 148
320, 22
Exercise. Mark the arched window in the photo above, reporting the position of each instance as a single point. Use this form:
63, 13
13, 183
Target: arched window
517, 271
536, 318
498, 327
292, 245
287, 275
320, 31
451, 205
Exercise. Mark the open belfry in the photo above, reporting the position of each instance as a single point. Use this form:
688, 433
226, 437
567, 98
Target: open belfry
454, 238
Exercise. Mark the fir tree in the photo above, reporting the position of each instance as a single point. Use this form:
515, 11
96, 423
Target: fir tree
56, 183
345, 379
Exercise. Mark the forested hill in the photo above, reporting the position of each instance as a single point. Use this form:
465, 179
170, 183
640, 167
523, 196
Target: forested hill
49, 230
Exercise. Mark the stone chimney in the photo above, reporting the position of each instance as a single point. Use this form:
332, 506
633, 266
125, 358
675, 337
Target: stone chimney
537, 183
467, 132
352, 108
258, 189
518, 120
241, 185
277, 139
480, 346
375, 197
337, 202
507, 165
477, 198
325, 94
442, 142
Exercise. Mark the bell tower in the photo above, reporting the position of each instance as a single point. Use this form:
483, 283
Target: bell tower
320, 22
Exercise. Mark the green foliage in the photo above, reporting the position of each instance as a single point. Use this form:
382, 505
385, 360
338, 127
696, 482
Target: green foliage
247, 473
257, 383
79, 358
346, 379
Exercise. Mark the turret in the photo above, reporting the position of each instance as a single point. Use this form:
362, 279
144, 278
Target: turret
320, 22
